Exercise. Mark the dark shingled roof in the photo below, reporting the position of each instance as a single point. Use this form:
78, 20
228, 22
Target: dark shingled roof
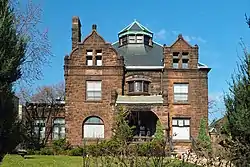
140, 54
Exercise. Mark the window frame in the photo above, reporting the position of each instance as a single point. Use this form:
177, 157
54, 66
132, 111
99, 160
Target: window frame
60, 126
89, 124
94, 98
141, 84
41, 125
186, 66
180, 93
175, 64
183, 120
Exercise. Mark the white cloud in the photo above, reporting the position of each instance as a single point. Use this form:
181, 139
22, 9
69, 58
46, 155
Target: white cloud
189, 38
161, 34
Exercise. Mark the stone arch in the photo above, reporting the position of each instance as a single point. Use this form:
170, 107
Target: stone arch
143, 121
93, 127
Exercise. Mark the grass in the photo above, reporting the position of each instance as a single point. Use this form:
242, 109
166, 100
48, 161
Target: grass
41, 161
60, 161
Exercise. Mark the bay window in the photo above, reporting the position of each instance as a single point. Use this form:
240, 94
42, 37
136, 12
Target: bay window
138, 86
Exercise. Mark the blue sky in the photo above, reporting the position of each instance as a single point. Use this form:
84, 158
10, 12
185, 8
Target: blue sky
216, 26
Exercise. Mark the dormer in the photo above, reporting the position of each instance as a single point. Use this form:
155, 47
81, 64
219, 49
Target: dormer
181, 55
135, 33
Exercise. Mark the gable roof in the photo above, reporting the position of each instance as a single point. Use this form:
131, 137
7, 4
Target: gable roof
180, 38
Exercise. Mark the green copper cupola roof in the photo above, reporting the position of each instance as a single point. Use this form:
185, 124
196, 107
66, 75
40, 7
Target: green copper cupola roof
135, 28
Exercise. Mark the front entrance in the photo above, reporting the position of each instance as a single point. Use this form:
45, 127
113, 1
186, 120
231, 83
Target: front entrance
144, 123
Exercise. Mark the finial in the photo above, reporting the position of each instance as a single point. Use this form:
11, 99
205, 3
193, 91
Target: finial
180, 36
94, 26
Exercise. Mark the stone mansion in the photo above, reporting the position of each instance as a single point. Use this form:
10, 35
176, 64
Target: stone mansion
151, 81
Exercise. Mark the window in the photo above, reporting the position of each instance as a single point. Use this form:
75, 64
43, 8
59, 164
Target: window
185, 55
138, 86
180, 92
94, 90
124, 40
175, 63
185, 63
176, 54
139, 39
89, 60
93, 128
98, 58
131, 39
39, 128
58, 128
181, 128
146, 40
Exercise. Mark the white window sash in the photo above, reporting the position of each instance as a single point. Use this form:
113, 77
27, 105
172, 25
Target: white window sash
93, 131
89, 53
89, 62
99, 62
181, 133
181, 88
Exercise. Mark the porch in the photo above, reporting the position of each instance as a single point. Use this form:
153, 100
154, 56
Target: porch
141, 116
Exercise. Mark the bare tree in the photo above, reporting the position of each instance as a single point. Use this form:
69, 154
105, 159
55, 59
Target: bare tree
38, 110
38, 51
247, 20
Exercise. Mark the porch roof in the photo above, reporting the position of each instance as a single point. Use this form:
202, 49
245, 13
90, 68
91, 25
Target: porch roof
155, 99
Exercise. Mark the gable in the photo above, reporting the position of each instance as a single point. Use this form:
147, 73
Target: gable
94, 37
181, 43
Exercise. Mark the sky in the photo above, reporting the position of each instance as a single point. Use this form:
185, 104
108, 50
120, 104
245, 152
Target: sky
216, 26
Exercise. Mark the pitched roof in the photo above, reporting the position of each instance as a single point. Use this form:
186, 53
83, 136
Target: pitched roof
135, 26
140, 54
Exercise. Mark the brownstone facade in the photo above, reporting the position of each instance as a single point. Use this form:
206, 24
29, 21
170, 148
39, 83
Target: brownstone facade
116, 75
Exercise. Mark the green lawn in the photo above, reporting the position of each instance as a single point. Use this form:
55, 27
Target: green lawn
41, 161
61, 161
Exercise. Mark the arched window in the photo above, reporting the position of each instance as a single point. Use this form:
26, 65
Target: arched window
93, 127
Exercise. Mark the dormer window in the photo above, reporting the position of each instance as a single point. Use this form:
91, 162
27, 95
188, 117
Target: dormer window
98, 58
185, 63
175, 63
176, 54
131, 39
89, 58
139, 39
123, 40
185, 55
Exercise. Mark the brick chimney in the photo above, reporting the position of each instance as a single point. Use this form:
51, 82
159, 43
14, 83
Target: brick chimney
76, 31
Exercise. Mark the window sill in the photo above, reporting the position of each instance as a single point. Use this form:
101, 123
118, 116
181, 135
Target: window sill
93, 101
181, 103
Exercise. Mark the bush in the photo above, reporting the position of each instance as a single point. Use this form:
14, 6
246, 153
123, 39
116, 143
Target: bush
78, 151
61, 144
46, 151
